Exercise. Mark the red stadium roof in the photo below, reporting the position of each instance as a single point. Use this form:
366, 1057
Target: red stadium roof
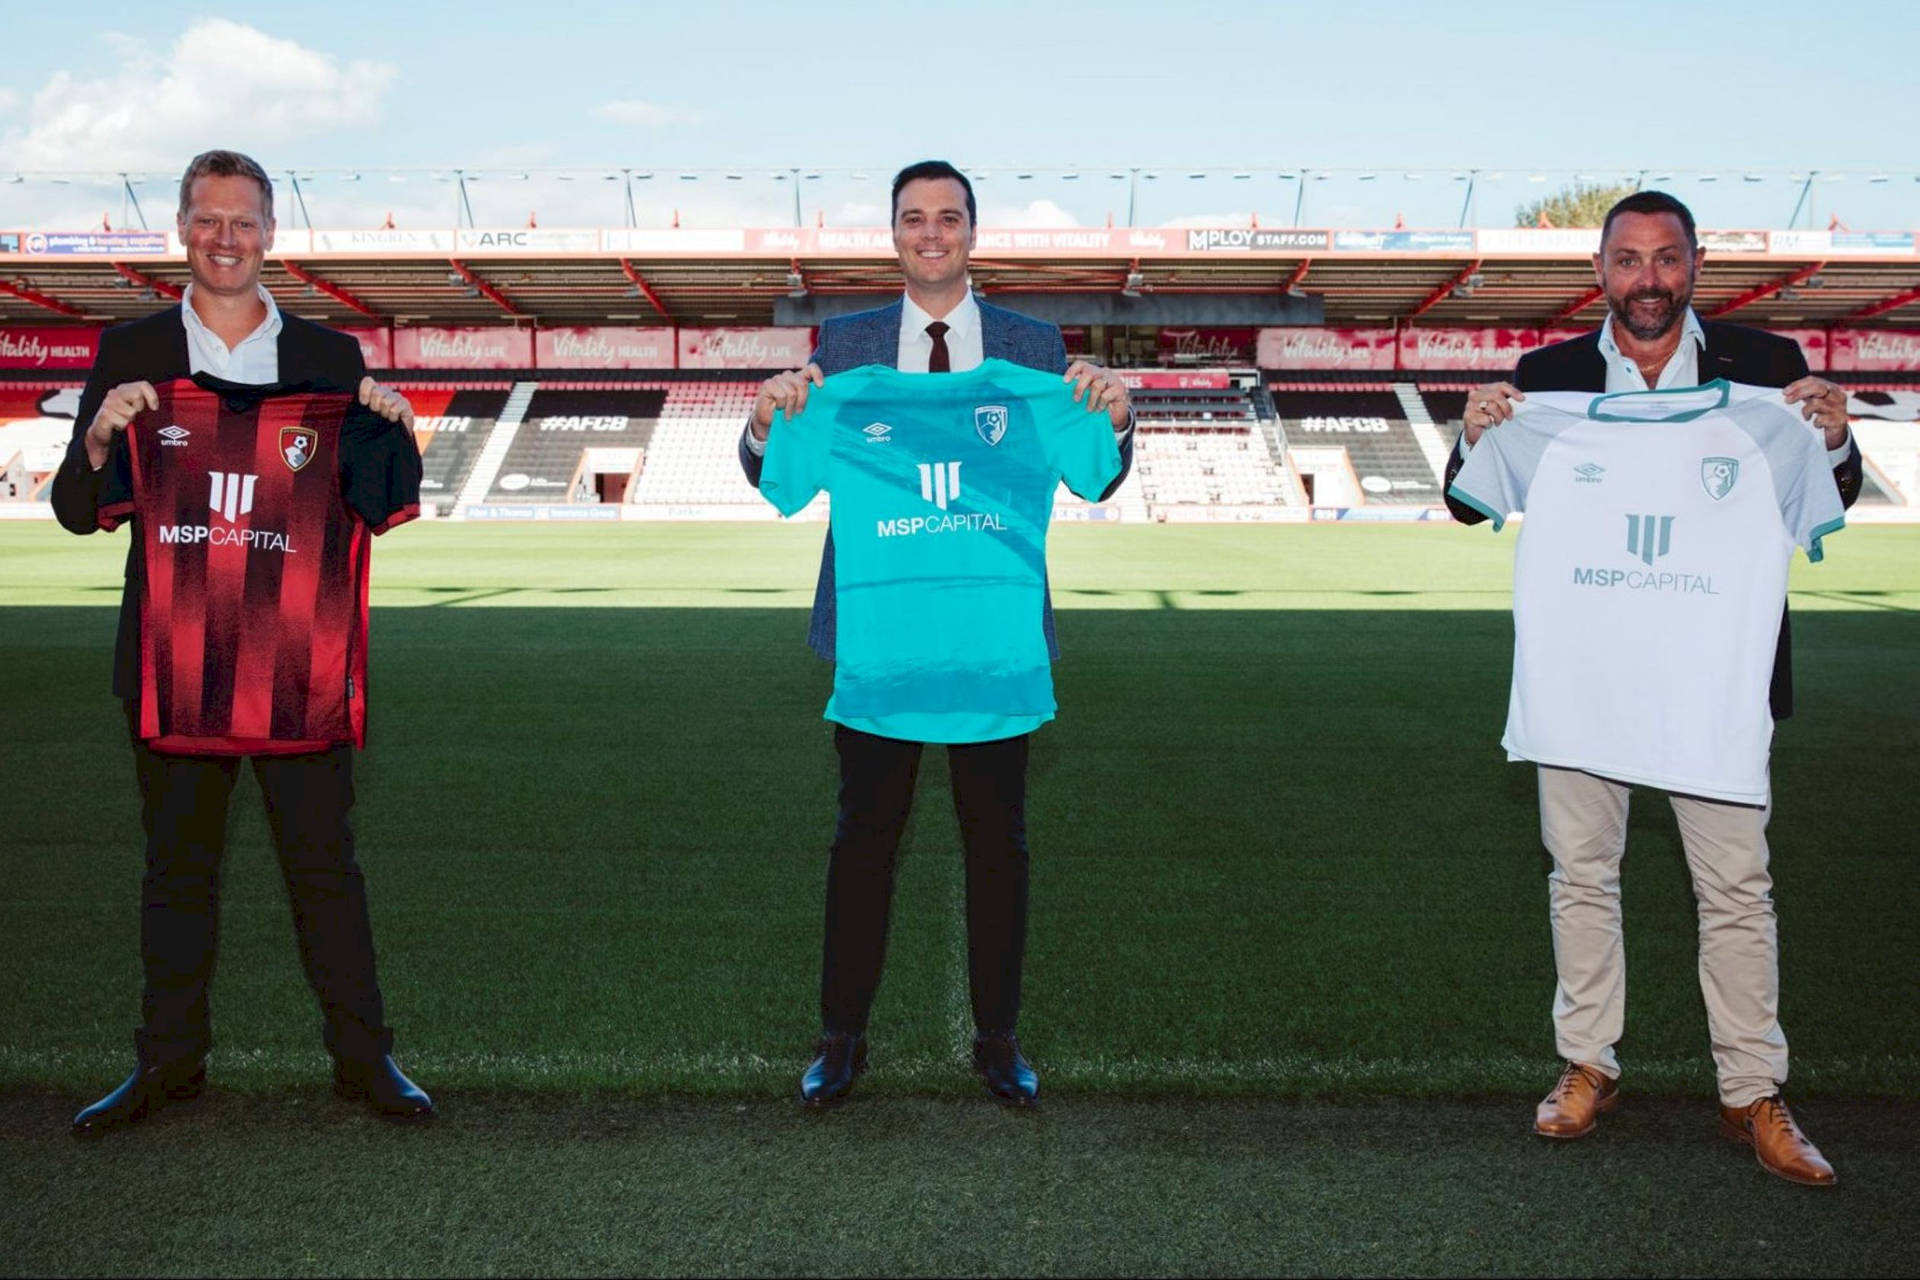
472, 276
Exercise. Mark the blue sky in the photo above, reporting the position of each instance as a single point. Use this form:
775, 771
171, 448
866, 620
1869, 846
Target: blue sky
1536, 93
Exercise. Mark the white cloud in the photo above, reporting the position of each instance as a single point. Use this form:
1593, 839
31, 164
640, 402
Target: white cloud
645, 115
8, 99
860, 213
1038, 213
1237, 218
221, 84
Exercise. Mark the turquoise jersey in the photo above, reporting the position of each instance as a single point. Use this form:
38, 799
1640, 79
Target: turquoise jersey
942, 487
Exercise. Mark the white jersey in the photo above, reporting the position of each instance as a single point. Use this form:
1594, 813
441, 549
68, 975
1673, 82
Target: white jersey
1650, 577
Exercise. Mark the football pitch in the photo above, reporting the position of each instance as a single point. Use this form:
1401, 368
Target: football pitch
1288, 976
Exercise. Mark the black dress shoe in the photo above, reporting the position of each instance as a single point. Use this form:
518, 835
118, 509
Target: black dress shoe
141, 1094
383, 1087
1009, 1076
830, 1078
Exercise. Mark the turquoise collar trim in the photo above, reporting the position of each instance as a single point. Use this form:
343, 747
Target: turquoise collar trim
1721, 385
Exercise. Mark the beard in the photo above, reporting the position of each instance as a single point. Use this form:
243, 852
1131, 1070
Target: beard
1650, 323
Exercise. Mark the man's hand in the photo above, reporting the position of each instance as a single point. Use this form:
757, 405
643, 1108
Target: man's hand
786, 392
1824, 405
116, 411
386, 402
1489, 406
1103, 389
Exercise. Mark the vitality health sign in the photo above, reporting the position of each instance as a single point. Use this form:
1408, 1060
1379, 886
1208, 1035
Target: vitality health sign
47, 347
604, 347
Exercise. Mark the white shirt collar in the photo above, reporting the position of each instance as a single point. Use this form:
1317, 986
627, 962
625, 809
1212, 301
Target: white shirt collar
962, 321
1690, 331
197, 328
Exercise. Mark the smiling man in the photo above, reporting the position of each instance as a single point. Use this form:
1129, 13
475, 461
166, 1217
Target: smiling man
228, 327
939, 326
1648, 264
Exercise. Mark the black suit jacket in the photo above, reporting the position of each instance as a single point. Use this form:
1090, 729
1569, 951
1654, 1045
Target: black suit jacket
154, 350
1733, 352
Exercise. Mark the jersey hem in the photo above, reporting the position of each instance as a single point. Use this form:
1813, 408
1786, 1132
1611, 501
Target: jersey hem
1637, 779
174, 744
868, 726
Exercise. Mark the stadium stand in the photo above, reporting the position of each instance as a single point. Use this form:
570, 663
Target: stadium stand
36, 422
1886, 425
452, 428
1448, 408
573, 439
1370, 423
691, 461
1225, 404
1202, 467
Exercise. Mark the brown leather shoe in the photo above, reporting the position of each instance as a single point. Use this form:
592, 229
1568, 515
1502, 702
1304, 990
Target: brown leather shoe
1573, 1108
1767, 1126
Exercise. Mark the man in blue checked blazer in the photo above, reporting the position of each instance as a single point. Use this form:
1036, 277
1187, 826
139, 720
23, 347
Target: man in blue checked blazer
938, 326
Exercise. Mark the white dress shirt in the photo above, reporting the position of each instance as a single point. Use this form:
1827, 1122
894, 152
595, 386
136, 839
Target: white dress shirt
1682, 367
966, 348
254, 361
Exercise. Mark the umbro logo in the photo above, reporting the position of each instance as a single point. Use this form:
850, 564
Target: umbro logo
878, 433
173, 436
1588, 473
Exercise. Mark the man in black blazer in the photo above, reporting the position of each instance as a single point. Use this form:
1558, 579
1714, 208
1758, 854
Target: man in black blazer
1648, 262
227, 325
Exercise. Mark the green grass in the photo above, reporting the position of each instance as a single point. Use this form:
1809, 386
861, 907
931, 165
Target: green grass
1279, 863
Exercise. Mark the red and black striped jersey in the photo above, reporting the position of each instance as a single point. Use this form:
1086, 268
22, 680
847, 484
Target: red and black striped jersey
254, 507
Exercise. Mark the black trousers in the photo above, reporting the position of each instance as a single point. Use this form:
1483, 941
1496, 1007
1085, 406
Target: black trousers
876, 795
184, 810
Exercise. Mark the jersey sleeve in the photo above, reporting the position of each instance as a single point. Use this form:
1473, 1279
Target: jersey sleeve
1810, 505
380, 469
799, 451
1077, 442
1490, 481
115, 501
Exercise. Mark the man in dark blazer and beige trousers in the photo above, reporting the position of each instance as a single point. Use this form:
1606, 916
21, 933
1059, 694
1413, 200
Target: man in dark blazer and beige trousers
1648, 261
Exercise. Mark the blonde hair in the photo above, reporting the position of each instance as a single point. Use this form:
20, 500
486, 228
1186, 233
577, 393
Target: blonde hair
225, 164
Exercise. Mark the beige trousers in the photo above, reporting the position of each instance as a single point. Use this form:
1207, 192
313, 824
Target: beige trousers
1583, 823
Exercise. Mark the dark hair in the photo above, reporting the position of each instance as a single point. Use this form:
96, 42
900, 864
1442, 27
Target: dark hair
933, 169
225, 164
1652, 202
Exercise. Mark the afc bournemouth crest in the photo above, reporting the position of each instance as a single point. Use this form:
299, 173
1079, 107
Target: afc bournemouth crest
1718, 475
297, 445
990, 420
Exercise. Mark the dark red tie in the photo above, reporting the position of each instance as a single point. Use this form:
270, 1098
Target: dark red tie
940, 361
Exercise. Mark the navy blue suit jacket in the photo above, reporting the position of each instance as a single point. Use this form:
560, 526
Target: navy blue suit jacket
873, 337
